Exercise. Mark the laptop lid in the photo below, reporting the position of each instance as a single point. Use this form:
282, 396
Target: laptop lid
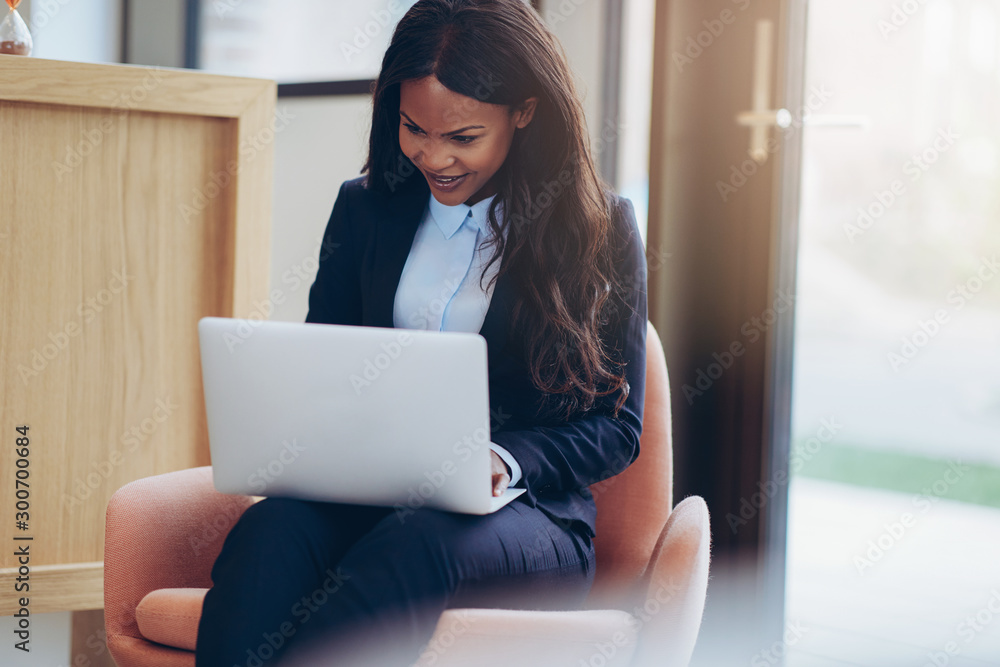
365, 415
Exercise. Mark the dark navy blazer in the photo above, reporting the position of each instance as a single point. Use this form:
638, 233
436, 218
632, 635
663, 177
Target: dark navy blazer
366, 243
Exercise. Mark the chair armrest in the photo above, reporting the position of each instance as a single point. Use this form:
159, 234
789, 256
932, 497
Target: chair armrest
162, 532
170, 616
676, 585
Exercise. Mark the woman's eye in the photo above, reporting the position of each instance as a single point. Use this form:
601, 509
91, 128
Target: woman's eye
462, 139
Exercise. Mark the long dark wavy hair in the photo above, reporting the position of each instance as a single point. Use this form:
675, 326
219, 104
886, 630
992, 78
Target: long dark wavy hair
558, 211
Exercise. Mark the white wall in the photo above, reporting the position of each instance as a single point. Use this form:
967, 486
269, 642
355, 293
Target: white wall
579, 26
323, 144
636, 107
79, 30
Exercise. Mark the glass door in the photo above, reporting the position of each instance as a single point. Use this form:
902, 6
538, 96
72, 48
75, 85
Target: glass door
894, 504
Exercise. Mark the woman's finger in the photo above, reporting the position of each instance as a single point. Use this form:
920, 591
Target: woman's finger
500, 482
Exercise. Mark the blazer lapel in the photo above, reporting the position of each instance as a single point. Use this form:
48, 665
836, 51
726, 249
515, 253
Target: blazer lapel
494, 328
403, 214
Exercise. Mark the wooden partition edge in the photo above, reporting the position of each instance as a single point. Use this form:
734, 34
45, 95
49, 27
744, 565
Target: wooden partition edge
256, 130
67, 587
128, 87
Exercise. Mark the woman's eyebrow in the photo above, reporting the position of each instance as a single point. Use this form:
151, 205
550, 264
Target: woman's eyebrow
470, 127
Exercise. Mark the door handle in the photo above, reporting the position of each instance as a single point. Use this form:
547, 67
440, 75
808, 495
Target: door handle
762, 117
783, 118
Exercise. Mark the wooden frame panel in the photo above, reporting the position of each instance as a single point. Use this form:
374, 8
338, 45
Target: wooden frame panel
133, 201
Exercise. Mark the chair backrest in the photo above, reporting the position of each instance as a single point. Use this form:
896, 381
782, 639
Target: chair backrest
633, 506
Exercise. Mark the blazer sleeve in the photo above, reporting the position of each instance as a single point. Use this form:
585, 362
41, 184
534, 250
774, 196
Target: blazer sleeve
588, 449
335, 295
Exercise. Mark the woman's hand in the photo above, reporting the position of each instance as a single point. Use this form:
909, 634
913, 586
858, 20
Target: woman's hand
501, 478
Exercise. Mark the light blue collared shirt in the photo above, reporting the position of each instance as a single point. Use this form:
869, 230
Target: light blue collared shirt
439, 287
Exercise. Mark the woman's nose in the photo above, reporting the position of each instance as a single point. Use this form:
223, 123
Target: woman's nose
437, 158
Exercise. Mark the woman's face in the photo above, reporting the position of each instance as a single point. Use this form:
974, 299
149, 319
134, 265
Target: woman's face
448, 135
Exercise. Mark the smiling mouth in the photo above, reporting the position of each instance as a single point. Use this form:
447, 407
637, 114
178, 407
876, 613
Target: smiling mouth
450, 180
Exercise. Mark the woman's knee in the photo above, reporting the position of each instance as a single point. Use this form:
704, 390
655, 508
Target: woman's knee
275, 514
265, 516
268, 521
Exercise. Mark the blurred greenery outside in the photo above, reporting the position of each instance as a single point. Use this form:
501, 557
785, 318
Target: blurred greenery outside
938, 75
896, 471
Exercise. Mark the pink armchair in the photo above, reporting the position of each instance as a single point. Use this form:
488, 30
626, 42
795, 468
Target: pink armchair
164, 533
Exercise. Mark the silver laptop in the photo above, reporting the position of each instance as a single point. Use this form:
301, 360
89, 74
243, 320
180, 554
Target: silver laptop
352, 414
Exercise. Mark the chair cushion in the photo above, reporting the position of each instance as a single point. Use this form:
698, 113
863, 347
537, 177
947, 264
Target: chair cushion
170, 616
487, 637
482, 637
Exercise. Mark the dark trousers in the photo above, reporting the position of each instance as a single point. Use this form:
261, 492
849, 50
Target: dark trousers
311, 583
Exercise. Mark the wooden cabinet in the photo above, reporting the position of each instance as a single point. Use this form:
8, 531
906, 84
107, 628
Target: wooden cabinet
133, 201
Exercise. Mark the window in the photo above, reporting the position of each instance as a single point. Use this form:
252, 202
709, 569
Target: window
297, 41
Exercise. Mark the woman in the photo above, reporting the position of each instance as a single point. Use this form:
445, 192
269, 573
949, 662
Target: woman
481, 210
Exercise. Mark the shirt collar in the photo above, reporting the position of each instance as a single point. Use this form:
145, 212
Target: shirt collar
450, 218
